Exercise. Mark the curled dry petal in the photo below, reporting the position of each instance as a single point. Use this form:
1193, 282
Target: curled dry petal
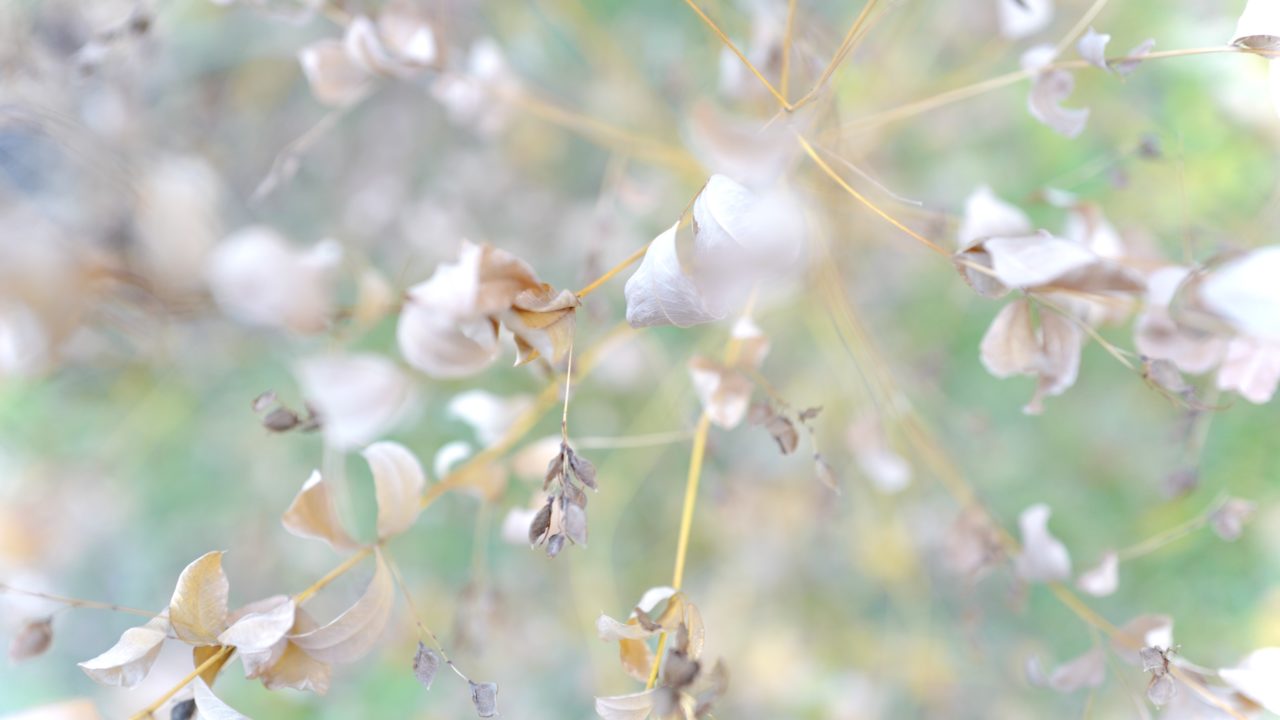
1092, 46
31, 640
986, 215
1012, 346
312, 514
1102, 580
398, 482
1125, 67
636, 706
258, 278
352, 634
543, 322
198, 608
1086, 671
287, 666
1228, 519
1255, 677
1259, 26
359, 398
662, 293
725, 393
1049, 88
752, 342
1245, 293
129, 660
210, 707
1020, 18
1250, 369
1043, 558
1158, 335
262, 626
1143, 631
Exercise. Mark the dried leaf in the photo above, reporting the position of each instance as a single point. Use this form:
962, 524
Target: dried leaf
661, 293
312, 514
679, 671
1251, 370
1143, 631
261, 626
1092, 46
1255, 677
258, 278
1043, 558
543, 322
1042, 261
1086, 671
1102, 580
359, 398
490, 416
425, 665
1258, 26
1020, 18
724, 393
1158, 336
31, 640
1125, 67
210, 707
352, 634
129, 660
575, 524
1049, 88
541, 523
1010, 346
986, 215
485, 698
825, 473
752, 342
398, 482
1244, 292
198, 608
636, 706
203, 653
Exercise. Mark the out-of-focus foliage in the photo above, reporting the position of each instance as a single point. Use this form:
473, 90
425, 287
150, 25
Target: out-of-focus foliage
190, 217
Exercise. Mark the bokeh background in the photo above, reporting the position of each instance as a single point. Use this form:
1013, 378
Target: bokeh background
128, 447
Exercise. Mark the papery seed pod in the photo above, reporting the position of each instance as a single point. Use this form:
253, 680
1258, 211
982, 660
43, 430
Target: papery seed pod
32, 639
573, 495
280, 420
555, 468
541, 524
575, 524
485, 697
425, 665
554, 545
583, 470
679, 671
264, 401
185, 710
646, 620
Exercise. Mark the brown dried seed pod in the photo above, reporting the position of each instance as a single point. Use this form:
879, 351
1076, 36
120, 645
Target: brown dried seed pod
541, 524
280, 420
185, 710
575, 524
583, 470
555, 468
679, 671
554, 545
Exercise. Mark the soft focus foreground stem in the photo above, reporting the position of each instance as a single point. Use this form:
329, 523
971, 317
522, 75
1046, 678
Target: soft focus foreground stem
213, 660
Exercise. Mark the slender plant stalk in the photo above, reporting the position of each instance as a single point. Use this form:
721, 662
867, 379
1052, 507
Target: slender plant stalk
788, 34
782, 100
77, 602
423, 630
333, 574
846, 46
217, 658
1079, 27
613, 271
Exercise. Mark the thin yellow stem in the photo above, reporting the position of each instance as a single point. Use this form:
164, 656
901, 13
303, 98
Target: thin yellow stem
77, 602
423, 630
333, 574
846, 45
782, 100
817, 159
1079, 27
787, 35
213, 660
626, 263
690, 497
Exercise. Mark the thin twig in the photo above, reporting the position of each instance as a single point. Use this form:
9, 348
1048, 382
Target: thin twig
782, 100
77, 602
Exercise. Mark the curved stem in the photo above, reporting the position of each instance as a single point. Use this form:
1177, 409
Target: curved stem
613, 271
77, 602
729, 44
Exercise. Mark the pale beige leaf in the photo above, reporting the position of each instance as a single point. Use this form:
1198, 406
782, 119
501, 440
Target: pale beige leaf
1020, 18
1102, 580
359, 398
130, 659
1043, 558
293, 668
753, 343
696, 629
986, 215
1035, 260
210, 707
352, 634
259, 278
198, 608
490, 416
484, 696
261, 628
611, 630
1158, 336
1258, 26
1086, 671
312, 514
1257, 677
635, 706
1143, 631
1092, 46
1245, 293
398, 481
661, 293
1049, 88
1250, 369
1010, 346
725, 393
